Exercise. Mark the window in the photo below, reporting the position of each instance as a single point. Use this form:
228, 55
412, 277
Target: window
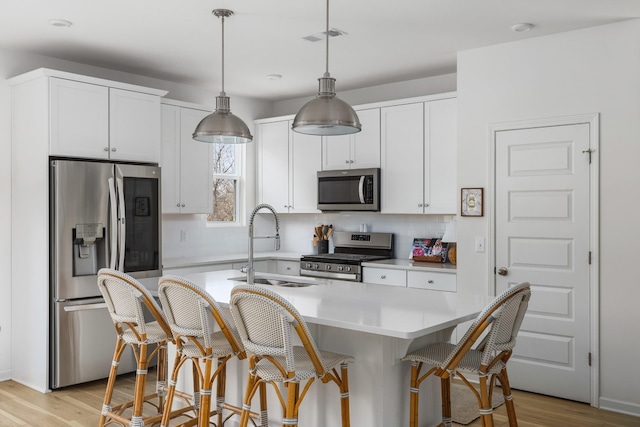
227, 174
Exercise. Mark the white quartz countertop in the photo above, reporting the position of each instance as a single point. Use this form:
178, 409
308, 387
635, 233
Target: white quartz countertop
185, 262
407, 264
392, 311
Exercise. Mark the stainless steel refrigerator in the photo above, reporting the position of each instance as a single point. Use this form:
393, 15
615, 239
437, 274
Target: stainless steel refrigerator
102, 215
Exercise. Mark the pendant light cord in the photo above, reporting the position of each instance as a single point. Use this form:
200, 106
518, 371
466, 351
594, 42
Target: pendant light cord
222, 17
327, 37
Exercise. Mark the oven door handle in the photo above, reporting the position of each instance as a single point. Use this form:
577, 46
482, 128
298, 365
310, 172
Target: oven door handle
361, 189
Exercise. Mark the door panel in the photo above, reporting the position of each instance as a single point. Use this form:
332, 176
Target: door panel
542, 237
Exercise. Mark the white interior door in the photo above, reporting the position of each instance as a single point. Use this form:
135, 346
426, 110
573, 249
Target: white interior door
542, 237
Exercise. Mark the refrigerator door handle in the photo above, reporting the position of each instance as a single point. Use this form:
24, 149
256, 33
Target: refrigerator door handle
122, 224
82, 307
113, 244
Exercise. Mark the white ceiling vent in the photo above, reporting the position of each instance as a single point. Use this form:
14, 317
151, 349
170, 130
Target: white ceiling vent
333, 32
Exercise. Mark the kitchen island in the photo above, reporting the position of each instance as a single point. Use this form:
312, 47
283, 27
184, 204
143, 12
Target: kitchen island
377, 325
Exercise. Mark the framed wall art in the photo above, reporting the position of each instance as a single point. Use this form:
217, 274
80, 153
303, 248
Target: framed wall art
472, 202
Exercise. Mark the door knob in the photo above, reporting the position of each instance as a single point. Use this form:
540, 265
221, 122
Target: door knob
503, 271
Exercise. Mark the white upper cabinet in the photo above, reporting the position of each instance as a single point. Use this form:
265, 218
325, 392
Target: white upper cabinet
402, 147
288, 163
93, 118
273, 176
79, 119
134, 126
441, 141
355, 151
187, 165
418, 145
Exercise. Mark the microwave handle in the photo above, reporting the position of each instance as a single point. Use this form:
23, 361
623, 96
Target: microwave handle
361, 189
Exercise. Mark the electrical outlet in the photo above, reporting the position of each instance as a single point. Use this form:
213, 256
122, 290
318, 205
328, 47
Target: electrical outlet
183, 235
479, 244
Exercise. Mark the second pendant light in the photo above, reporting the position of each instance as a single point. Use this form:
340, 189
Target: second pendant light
326, 114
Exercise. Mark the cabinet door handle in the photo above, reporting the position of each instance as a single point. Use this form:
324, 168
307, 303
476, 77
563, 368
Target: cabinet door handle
350, 161
419, 205
346, 161
430, 281
183, 205
113, 149
178, 204
383, 277
106, 148
288, 268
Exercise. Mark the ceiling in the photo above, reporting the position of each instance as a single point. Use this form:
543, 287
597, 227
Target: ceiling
180, 40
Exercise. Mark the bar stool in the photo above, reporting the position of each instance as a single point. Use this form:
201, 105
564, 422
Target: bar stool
202, 335
488, 360
267, 324
125, 298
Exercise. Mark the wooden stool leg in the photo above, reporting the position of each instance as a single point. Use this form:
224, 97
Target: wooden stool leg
344, 395
445, 391
221, 388
166, 414
264, 414
141, 379
414, 391
161, 375
111, 382
291, 410
205, 395
508, 398
486, 408
248, 395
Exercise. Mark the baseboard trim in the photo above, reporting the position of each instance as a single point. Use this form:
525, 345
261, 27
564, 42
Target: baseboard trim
620, 406
5, 375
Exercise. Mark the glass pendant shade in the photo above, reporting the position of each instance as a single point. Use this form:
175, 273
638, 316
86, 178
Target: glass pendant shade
326, 114
222, 126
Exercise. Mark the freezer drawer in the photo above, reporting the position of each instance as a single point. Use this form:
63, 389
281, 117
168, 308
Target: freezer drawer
83, 339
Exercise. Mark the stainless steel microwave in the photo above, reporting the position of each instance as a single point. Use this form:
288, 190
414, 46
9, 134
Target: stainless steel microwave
349, 190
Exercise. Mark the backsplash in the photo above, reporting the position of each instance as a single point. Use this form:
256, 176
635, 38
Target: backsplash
189, 236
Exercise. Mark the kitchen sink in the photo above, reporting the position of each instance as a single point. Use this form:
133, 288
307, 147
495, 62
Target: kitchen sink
273, 282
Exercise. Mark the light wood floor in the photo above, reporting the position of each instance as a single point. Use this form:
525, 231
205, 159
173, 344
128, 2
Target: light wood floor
79, 406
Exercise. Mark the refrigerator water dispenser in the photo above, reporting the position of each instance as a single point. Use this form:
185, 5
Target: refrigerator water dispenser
88, 245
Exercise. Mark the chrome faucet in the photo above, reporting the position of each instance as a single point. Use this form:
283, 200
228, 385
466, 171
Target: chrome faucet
250, 270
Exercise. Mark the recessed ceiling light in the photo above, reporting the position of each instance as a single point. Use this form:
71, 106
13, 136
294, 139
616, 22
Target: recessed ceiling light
521, 28
60, 22
274, 76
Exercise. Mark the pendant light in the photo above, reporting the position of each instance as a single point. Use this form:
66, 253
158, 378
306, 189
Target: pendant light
326, 114
222, 126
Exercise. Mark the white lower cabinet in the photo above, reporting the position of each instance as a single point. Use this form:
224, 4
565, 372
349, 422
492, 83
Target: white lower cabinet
431, 280
384, 276
196, 269
410, 278
289, 268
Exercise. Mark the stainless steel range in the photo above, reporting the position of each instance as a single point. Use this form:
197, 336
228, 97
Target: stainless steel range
351, 249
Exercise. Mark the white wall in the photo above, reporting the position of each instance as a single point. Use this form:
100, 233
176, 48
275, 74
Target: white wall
14, 63
586, 71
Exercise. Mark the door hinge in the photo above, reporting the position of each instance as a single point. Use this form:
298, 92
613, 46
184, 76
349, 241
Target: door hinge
588, 151
589, 358
589, 257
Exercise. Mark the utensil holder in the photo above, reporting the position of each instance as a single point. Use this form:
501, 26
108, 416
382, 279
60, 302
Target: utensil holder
323, 246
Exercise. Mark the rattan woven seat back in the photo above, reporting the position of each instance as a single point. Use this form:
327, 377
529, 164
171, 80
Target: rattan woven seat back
269, 327
498, 325
202, 334
127, 299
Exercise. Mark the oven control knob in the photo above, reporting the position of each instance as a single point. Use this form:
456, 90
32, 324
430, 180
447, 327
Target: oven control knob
307, 265
328, 267
316, 266
340, 268
348, 268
